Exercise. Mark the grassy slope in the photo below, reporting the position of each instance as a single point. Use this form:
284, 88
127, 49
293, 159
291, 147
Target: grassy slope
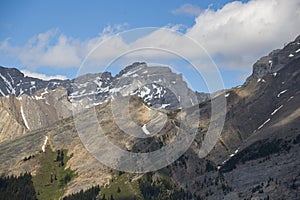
42, 181
128, 189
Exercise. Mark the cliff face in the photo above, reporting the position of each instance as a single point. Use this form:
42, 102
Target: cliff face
30, 103
11, 123
276, 60
20, 115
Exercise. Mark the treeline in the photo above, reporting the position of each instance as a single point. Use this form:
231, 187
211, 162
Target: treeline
90, 194
162, 189
21, 187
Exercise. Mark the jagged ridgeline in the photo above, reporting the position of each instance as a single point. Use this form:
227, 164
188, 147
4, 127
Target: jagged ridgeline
255, 157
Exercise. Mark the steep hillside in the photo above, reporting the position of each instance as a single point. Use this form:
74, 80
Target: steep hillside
257, 153
63, 135
22, 114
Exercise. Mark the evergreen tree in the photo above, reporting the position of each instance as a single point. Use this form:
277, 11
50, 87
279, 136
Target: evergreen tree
13, 187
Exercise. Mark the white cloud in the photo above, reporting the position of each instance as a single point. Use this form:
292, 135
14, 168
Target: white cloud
42, 76
241, 32
187, 9
235, 36
46, 49
52, 48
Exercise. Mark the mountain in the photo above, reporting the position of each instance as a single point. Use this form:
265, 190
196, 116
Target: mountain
256, 156
151, 83
31, 103
276, 60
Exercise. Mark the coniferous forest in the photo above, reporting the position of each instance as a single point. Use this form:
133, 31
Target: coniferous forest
21, 187
89, 194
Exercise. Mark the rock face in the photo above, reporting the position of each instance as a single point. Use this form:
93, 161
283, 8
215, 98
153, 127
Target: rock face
13, 82
11, 124
256, 157
26, 113
34, 103
153, 84
257, 153
276, 60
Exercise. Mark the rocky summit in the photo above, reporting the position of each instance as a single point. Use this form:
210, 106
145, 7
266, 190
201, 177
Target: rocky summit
255, 157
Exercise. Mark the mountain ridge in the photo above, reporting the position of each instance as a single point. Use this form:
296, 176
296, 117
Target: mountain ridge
256, 156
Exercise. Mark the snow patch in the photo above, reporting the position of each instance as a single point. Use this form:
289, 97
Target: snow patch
291, 55
42, 95
8, 84
225, 161
130, 73
24, 118
12, 80
38, 97
297, 51
44, 145
144, 128
275, 111
227, 95
45, 92
163, 106
145, 91
280, 93
2, 93
98, 82
274, 74
290, 98
21, 91
191, 100
264, 123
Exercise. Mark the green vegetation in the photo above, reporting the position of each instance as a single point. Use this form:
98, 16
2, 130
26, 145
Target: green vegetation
122, 187
126, 186
13, 187
52, 177
89, 194
162, 187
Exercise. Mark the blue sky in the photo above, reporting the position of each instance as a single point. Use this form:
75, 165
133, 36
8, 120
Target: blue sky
23, 19
35, 34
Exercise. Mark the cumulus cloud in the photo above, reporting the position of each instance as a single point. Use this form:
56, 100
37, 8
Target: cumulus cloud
187, 9
54, 49
241, 31
235, 36
46, 49
42, 76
